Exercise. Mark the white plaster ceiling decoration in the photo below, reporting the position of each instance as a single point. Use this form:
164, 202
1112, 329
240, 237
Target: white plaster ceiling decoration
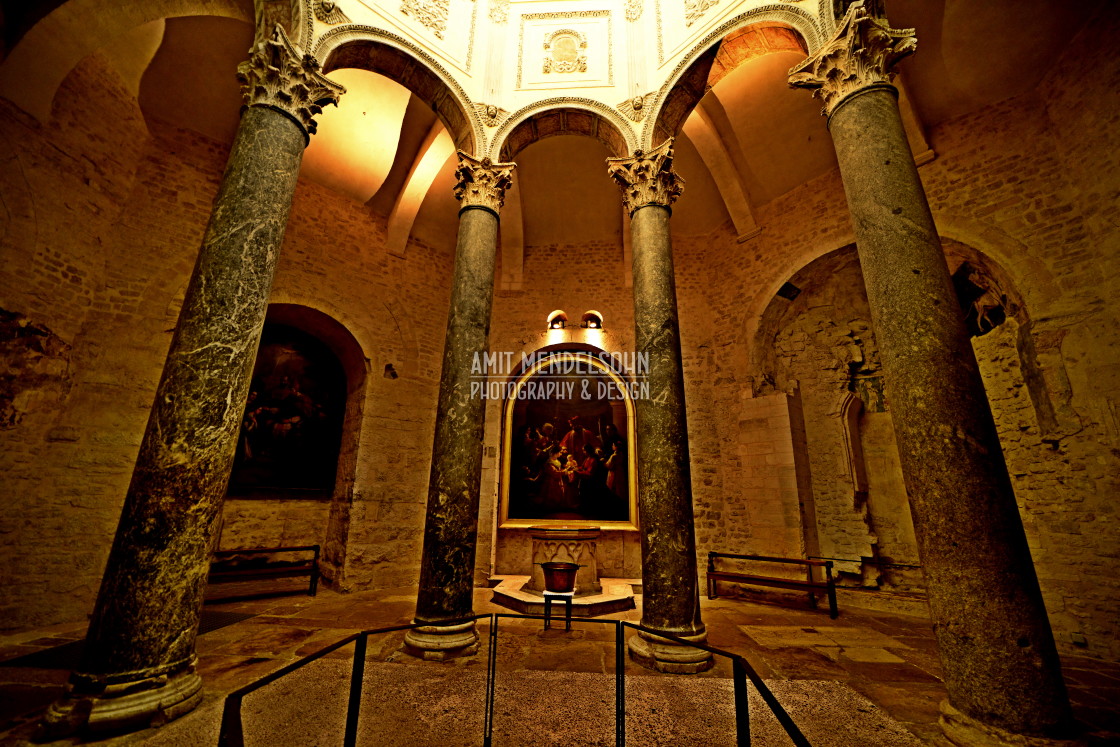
329, 13
577, 44
431, 13
682, 23
637, 108
694, 10
445, 29
490, 114
565, 52
499, 11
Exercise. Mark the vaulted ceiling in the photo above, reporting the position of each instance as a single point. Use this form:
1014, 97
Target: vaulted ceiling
750, 140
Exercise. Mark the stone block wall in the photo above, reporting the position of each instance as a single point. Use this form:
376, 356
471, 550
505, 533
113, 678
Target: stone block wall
106, 216
1030, 184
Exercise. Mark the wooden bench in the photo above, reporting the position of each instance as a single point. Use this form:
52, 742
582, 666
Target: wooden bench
304, 567
828, 586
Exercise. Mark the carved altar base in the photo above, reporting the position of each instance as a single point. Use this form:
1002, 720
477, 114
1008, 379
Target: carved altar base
564, 544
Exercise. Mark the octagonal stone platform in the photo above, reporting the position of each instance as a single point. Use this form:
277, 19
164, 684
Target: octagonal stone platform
617, 595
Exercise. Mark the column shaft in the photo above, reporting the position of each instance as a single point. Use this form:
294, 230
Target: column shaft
146, 617
998, 652
670, 586
138, 663
451, 525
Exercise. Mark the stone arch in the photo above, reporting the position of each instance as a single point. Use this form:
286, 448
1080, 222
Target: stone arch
563, 116
384, 53
37, 65
997, 269
744, 37
1028, 274
1022, 364
1032, 281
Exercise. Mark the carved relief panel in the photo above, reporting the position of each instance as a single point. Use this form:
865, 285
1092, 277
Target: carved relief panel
565, 52
572, 49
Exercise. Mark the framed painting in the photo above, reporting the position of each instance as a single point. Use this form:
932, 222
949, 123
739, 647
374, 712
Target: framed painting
291, 429
568, 444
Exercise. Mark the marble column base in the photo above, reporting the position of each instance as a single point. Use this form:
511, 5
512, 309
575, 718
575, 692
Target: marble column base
663, 655
965, 731
442, 642
124, 706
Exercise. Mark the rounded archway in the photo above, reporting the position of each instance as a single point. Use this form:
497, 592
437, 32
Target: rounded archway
563, 116
55, 44
297, 452
367, 48
815, 345
736, 42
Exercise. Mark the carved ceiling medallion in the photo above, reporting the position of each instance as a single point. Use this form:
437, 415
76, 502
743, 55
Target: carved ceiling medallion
694, 10
565, 52
499, 11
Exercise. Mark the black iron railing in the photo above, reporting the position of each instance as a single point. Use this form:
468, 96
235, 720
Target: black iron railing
232, 733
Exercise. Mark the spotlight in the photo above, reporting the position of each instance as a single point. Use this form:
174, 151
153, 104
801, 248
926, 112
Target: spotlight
592, 320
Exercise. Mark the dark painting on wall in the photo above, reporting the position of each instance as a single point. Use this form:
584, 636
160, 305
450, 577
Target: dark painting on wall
292, 426
568, 452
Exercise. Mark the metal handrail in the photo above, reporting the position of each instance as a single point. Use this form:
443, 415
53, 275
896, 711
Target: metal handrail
232, 734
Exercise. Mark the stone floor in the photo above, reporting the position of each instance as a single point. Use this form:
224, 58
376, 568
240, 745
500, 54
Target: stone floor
865, 678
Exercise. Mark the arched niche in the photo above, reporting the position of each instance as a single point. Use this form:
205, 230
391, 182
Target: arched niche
310, 376
561, 400
815, 338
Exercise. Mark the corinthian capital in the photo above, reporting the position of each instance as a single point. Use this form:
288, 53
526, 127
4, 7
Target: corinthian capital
647, 178
279, 76
482, 183
862, 54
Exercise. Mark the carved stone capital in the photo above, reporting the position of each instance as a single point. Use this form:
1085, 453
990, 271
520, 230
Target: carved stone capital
279, 76
647, 178
861, 55
482, 183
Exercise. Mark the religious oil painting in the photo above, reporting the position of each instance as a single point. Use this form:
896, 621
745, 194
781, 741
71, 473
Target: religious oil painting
568, 435
292, 426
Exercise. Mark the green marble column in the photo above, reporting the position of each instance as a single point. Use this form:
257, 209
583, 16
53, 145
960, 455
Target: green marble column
670, 585
1001, 667
138, 665
446, 590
